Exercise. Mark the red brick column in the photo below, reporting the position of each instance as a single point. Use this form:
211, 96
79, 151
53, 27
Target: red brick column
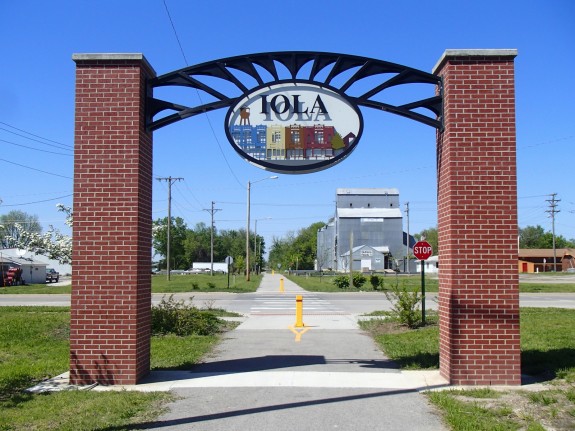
477, 219
111, 293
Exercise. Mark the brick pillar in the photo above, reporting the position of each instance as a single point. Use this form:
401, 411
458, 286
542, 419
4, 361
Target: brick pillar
477, 219
111, 283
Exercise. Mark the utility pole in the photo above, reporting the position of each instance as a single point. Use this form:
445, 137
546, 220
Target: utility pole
212, 211
553, 202
406, 262
170, 181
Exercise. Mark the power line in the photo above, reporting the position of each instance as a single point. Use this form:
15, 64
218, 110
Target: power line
37, 202
175, 33
35, 149
36, 136
34, 169
201, 101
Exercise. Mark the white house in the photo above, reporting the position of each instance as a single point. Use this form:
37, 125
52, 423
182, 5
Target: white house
29, 261
431, 265
33, 271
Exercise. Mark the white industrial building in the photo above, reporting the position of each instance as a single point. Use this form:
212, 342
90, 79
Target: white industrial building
368, 225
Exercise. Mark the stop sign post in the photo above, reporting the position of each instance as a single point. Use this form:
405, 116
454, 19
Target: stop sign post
229, 260
423, 251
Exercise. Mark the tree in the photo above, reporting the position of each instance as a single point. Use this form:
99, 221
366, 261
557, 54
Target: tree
52, 243
297, 250
431, 237
178, 232
14, 225
337, 142
197, 244
536, 237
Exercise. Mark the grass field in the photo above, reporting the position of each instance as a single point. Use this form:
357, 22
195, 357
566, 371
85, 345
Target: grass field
34, 345
160, 284
219, 283
547, 352
325, 284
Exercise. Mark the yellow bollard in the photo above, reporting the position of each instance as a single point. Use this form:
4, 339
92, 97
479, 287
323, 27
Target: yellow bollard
299, 311
273, 272
281, 285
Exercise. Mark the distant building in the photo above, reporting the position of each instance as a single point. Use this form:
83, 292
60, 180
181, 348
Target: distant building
33, 268
541, 259
431, 265
366, 221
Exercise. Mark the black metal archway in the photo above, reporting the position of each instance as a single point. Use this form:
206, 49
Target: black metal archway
248, 72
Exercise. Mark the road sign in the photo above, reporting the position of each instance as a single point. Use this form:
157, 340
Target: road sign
229, 260
422, 250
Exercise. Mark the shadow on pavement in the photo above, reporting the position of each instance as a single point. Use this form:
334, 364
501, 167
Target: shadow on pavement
263, 409
274, 362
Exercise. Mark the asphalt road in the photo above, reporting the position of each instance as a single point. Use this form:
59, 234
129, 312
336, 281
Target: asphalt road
353, 303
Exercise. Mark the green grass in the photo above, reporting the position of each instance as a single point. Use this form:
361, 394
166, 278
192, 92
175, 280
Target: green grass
547, 288
160, 284
34, 345
547, 342
410, 349
325, 284
179, 353
200, 283
465, 416
79, 410
36, 288
204, 283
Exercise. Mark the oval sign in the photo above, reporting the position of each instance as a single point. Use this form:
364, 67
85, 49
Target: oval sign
294, 127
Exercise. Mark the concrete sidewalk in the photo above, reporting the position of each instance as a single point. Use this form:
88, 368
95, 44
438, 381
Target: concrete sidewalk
269, 375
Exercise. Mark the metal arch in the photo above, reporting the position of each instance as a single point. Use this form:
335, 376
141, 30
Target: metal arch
294, 63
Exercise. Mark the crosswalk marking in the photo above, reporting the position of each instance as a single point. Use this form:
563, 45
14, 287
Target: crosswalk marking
282, 304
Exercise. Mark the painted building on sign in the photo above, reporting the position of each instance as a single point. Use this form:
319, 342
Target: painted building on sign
366, 221
294, 142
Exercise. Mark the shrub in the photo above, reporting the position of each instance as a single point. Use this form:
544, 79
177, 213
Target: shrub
405, 305
195, 286
358, 280
375, 281
211, 285
181, 319
341, 281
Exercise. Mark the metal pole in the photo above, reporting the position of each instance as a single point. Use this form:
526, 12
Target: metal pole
406, 266
275, 177
351, 259
169, 225
170, 181
423, 292
256, 260
212, 211
248, 235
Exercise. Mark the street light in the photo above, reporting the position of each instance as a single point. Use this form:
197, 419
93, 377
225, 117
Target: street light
274, 177
257, 242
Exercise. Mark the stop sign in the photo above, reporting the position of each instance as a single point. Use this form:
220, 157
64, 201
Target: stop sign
422, 250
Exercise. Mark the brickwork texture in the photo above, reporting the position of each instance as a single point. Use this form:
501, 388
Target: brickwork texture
111, 294
477, 222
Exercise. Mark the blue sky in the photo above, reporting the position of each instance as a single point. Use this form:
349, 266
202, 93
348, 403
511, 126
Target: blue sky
37, 101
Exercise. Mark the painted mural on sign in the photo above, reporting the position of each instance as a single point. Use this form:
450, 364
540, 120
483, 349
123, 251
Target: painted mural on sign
294, 127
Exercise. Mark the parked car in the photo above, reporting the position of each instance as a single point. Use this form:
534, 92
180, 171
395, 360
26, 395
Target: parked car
194, 271
52, 275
